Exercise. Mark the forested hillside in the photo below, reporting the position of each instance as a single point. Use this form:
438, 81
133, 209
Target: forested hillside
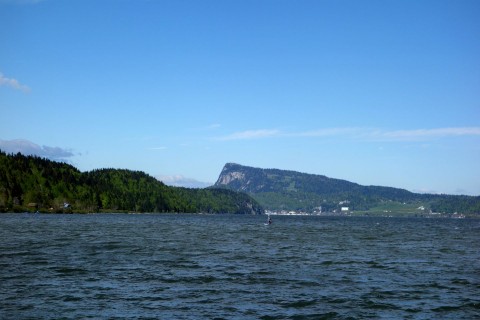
278, 189
29, 183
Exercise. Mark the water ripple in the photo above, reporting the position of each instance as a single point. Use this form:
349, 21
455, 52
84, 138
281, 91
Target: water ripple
224, 267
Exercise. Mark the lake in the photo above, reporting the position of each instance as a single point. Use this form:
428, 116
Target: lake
162, 266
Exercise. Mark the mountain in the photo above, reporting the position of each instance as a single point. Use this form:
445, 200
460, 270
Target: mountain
287, 190
30, 183
181, 181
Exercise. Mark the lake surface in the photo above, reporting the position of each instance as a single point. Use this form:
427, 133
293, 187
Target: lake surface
234, 267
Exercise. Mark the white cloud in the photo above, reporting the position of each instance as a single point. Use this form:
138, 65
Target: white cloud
13, 83
366, 134
181, 181
213, 126
391, 135
423, 134
20, 1
29, 148
157, 148
328, 132
251, 134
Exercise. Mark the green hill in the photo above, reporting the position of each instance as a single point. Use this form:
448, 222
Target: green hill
290, 190
29, 183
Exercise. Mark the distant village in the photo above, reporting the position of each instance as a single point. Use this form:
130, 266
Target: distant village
343, 210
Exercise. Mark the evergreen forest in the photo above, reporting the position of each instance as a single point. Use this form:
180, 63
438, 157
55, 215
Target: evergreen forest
31, 184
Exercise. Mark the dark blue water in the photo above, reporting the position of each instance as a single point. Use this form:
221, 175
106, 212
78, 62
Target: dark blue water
235, 267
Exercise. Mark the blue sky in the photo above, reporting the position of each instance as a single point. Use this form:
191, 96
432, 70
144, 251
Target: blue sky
375, 92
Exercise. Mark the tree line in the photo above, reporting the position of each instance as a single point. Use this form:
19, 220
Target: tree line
31, 183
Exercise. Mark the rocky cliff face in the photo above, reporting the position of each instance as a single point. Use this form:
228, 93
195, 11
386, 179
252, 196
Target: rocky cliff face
241, 178
228, 176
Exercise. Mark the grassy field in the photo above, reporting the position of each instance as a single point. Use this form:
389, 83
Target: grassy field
392, 208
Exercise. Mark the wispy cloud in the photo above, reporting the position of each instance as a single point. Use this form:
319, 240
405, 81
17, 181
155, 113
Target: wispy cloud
210, 127
157, 148
29, 148
13, 83
422, 134
251, 134
328, 132
20, 1
357, 133
213, 126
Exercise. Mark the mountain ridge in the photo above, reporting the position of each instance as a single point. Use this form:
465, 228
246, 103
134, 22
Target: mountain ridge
277, 189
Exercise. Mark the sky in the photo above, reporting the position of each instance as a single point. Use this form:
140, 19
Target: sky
380, 92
